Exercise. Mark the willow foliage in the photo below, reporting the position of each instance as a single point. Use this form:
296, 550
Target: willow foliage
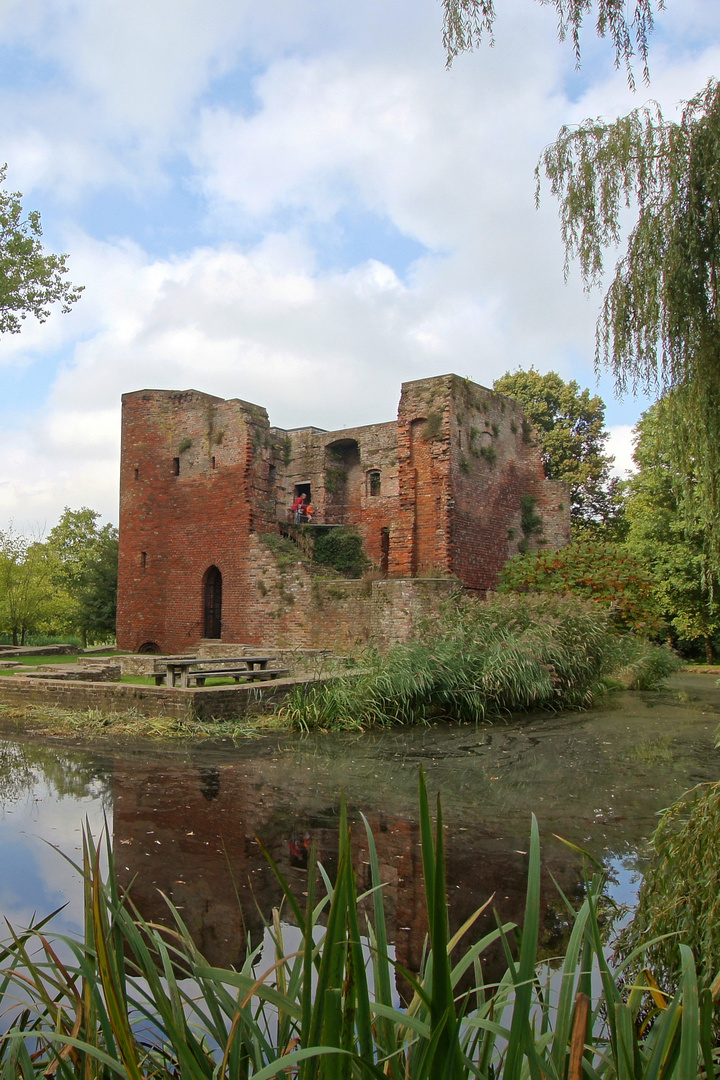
466, 23
659, 328
679, 901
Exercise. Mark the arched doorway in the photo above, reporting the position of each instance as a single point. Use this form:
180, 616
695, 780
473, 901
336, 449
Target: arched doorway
212, 603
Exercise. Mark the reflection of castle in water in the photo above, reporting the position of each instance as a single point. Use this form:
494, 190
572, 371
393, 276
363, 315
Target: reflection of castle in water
191, 833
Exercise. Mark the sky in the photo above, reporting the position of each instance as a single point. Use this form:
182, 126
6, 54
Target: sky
295, 203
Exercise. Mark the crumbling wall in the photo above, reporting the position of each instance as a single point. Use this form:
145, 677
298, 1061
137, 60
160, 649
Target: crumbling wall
502, 503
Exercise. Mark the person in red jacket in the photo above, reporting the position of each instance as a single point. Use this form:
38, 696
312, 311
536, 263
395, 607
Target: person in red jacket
298, 509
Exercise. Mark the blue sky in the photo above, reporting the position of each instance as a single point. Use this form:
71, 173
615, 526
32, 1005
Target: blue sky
294, 203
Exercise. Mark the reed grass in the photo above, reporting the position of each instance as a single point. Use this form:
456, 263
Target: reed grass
486, 659
138, 1001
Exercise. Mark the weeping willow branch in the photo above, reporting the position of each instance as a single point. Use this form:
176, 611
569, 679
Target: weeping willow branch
659, 328
467, 23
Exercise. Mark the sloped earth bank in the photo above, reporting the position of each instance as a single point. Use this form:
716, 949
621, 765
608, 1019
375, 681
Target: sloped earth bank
185, 819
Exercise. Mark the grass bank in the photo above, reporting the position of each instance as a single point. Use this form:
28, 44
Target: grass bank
137, 1002
487, 659
41, 720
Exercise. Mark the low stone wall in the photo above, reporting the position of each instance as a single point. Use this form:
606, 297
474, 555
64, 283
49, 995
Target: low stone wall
38, 650
105, 672
195, 703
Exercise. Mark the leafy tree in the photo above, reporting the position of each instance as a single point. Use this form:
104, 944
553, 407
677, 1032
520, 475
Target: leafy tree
467, 22
569, 425
28, 597
675, 549
86, 569
31, 280
659, 327
610, 575
97, 595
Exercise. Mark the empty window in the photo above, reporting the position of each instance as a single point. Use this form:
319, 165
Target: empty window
137, 474
143, 559
373, 482
212, 463
176, 466
212, 603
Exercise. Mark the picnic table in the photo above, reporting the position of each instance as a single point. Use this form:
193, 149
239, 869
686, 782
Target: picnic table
182, 672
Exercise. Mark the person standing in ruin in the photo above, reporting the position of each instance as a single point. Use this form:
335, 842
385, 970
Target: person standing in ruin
298, 509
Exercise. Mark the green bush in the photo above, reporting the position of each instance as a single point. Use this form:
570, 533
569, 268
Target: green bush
342, 550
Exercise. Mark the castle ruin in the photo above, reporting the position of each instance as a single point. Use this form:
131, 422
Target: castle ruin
455, 486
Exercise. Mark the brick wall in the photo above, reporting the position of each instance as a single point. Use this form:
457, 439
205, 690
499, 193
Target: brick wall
194, 486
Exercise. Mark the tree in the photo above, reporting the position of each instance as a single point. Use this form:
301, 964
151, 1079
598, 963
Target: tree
569, 426
659, 327
467, 22
31, 280
672, 548
28, 597
86, 569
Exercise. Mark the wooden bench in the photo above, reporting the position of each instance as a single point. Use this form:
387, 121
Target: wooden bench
182, 671
199, 677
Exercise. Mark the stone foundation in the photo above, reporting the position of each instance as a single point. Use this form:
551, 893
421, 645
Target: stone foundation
196, 703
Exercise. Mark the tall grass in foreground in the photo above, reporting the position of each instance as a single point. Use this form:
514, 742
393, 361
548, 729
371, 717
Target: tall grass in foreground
486, 658
138, 1001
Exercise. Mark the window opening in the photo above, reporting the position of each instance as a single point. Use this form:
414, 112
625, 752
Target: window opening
212, 463
374, 482
176, 466
137, 474
212, 603
143, 559
384, 550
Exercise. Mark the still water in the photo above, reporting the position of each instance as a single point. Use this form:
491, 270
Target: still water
185, 819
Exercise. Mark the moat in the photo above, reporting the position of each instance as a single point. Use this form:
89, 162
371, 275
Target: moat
188, 821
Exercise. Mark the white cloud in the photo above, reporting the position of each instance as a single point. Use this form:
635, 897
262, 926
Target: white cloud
621, 445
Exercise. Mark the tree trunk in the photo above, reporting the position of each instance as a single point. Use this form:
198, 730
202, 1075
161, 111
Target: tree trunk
15, 637
709, 649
